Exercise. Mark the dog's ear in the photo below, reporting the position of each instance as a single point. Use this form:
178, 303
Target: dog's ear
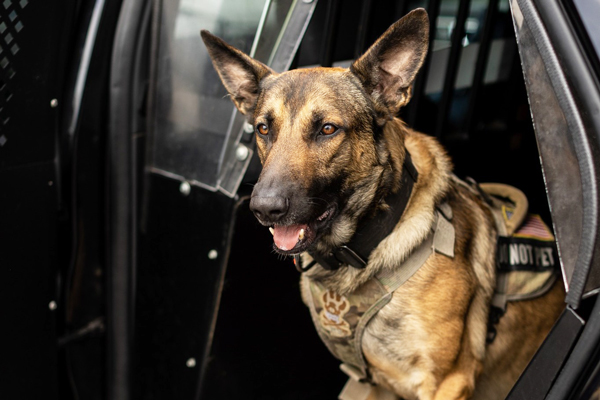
389, 66
239, 73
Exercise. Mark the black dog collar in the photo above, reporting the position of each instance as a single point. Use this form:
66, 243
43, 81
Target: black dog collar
371, 231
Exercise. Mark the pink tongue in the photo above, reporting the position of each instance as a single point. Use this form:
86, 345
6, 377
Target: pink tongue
286, 237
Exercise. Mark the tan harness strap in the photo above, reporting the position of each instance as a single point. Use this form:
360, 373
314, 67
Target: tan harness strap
392, 279
342, 320
441, 239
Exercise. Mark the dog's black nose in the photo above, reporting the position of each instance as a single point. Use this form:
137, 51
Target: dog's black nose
269, 209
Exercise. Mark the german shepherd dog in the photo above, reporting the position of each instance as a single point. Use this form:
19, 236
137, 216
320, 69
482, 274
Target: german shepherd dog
332, 150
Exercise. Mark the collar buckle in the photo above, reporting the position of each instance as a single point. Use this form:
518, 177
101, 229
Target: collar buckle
346, 255
343, 255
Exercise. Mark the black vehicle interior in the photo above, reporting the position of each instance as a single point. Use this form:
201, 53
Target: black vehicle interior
264, 340
153, 281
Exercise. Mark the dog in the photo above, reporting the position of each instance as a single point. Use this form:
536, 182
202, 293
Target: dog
336, 157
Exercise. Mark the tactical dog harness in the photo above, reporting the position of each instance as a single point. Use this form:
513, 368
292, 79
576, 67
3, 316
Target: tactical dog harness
341, 320
526, 268
526, 254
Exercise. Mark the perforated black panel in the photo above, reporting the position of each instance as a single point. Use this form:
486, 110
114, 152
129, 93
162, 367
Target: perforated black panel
29, 48
32, 44
10, 26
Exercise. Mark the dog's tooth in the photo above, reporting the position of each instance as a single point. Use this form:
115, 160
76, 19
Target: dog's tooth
301, 234
272, 231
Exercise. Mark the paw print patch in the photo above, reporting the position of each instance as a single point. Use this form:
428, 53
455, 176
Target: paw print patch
332, 320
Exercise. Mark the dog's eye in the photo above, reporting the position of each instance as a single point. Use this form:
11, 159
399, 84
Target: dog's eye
262, 129
328, 129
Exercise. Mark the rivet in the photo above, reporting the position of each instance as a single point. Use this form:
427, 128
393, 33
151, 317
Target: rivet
52, 305
185, 188
241, 153
248, 128
213, 254
53, 103
191, 362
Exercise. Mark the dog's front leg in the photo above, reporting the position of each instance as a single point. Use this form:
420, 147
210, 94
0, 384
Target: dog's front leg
459, 382
456, 386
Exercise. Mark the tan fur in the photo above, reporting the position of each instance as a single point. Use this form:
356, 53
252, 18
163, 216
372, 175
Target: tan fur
429, 341
438, 349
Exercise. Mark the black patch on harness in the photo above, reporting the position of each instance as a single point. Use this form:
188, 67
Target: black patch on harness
524, 254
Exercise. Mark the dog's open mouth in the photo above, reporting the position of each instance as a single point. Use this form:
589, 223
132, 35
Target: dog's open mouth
296, 238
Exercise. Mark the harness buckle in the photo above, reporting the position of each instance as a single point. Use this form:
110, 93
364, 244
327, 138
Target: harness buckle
493, 318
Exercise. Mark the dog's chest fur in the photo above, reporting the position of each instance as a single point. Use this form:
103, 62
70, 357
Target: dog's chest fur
416, 338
